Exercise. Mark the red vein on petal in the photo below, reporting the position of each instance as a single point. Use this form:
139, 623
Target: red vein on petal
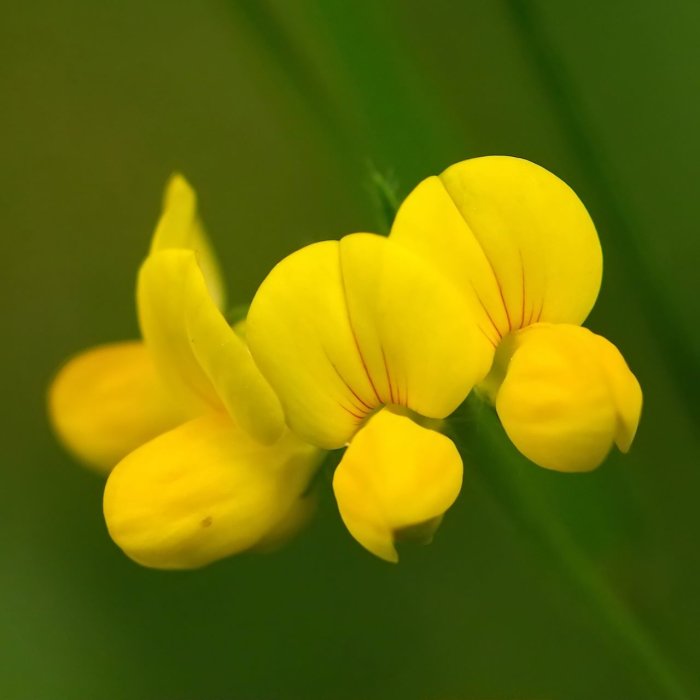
486, 257
503, 299
532, 313
539, 315
348, 387
498, 285
486, 311
532, 318
403, 400
354, 415
488, 337
352, 328
364, 365
388, 376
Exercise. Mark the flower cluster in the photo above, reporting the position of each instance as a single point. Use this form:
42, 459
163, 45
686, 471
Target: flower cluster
211, 434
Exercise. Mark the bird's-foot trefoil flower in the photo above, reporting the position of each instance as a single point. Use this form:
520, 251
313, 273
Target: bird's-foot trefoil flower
523, 251
205, 466
359, 337
368, 343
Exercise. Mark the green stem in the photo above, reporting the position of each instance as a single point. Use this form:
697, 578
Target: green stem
384, 191
297, 67
479, 436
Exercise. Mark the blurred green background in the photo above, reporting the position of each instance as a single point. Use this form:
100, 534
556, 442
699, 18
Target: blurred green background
276, 111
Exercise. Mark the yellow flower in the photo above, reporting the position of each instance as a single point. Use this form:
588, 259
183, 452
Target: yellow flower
342, 328
361, 335
366, 343
523, 251
204, 464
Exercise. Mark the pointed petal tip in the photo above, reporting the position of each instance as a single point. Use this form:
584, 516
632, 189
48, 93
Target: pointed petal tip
177, 185
179, 227
391, 557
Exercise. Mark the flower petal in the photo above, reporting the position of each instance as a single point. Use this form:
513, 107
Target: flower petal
163, 284
394, 477
201, 357
108, 401
224, 356
567, 397
204, 491
300, 336
420, 345
340, 329
179, 227
514, 237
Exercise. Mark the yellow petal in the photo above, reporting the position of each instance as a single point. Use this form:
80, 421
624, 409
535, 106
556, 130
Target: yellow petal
300, 336
624, 389
223, 354
203, 360
514, 237
163, 285
418, 340
108, 401
567, 397
179, 227
395, 476
202, 492
340, 329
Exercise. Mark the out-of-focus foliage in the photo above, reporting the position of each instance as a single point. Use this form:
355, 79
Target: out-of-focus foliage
274, 110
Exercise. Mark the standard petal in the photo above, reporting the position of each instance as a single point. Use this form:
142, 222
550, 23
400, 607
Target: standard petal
420, 345
300, 335
567, 397
340, 329
204, 491
179, 227
204, 362
395, 478
108, 401
514, 237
